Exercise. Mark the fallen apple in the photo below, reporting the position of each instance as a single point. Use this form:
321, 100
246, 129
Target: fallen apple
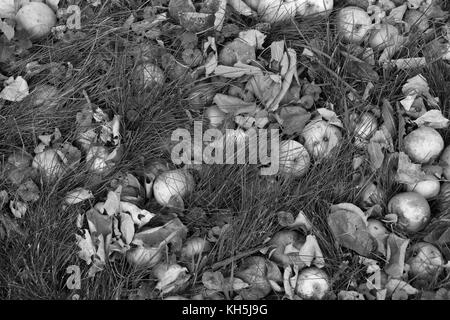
49, 163
353, 24
294, 159
194, 247
428, 187
412, 209
383, 36
7, 9
312, 283
172, 186
36, 18
321, 138
425, 262
445, 162
149, 75
423, 145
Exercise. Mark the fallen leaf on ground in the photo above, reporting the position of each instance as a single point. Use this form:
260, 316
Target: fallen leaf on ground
15, 89
395, 256
350, 230
433, 119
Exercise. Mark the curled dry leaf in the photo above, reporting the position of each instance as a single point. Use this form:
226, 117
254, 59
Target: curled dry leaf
434, 119
350, 230
18, 208
408, 172
15, 89
396, 252
78, 195
126, 227
171, 277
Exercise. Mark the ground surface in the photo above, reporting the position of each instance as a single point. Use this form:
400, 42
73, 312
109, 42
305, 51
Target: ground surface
104, 56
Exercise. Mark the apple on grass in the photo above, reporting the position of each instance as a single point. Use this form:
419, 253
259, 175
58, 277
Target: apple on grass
445, 162
294, 159
412, 209
423, 145
425, 262
353, 24
321, 138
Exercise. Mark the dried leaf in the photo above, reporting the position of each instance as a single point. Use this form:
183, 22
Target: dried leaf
170, 277
253, 37
99, 223
126, 227
28, 191
408, 172
87, 249
387, 113
172, 232
294, 119
376, 154
237, 71
213, 280
112, 203
197, 21
395, 256
350, 230
433, 119
78, 195
15, 89
233, 105
7, 30
18, 208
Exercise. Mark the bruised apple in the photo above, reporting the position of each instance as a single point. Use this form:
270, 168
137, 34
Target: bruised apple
412, 209
353, 24
321, 138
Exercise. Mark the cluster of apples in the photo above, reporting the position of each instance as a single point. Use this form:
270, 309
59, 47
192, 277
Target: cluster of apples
423, 146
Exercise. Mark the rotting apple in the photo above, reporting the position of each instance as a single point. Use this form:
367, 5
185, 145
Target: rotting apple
294, 159
321, 138
172, 186
423, 145
36, 18
412, 209
425, 262
353, 24
428, 187
445, 162
383, 36
312, 283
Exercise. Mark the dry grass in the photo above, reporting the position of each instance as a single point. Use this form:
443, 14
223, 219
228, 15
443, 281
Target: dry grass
33, 266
